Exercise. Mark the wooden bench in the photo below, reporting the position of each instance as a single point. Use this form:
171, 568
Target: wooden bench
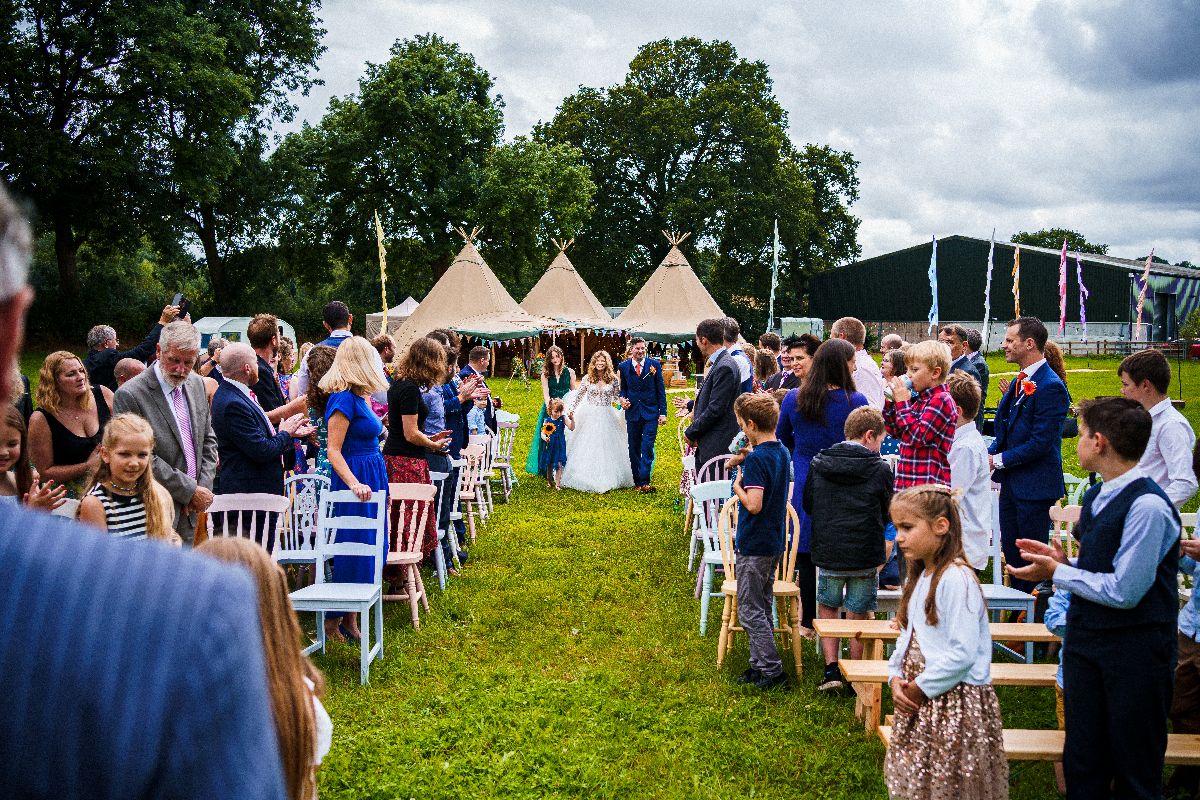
1035, 745
876, 632
868, 677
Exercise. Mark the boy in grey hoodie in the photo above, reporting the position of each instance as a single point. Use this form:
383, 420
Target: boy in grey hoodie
847, 494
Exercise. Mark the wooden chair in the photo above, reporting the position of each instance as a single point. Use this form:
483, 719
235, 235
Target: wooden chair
253, 515
786, 591
468, 495
438, 479
1062, 521
297, 537
409, 505
361, 598
484, 473
1183, 749
507, 435
1076, 486
708, 498
715, 469
688, 477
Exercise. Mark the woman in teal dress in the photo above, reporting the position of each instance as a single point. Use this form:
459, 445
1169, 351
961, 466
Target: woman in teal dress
557, 380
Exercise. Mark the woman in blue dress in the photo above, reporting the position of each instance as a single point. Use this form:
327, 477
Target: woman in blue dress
353, 450
811, 418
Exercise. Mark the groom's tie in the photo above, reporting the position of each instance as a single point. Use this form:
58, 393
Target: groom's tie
637, 367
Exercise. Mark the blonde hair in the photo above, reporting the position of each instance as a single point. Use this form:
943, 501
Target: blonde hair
48, 397
597, 374
158, 526
353, 369
556, 404
931, 353
930, 503
287, 667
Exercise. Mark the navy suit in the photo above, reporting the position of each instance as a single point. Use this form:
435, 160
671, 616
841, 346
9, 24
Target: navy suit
713, 422
251, 455
1029, 437
490, 414
647, 396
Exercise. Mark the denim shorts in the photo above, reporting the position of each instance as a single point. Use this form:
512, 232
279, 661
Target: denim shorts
857, 594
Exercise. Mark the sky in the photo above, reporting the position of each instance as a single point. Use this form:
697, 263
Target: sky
964, 116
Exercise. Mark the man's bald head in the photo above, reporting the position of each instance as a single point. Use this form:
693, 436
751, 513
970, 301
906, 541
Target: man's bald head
239, 362
127, 368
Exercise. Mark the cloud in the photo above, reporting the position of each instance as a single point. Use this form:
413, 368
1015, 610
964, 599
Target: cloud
963, 116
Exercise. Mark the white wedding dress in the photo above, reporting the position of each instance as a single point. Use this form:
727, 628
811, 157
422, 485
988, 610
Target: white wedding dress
597, 450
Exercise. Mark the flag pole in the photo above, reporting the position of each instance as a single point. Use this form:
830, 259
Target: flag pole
987, 296
382, 270
774, 279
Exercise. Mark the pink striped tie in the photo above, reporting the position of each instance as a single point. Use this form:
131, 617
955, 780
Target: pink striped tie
185, 430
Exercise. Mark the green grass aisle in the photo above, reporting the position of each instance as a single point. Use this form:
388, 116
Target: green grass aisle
566, 662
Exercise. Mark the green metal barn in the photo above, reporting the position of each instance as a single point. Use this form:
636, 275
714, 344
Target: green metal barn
894, 288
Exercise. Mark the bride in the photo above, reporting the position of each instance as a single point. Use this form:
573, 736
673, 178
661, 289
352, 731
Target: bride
597, 453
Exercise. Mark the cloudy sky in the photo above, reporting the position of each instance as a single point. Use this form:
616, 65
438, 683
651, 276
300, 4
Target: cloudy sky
963, 115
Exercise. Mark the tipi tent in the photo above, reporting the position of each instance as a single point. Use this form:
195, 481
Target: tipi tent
395, 318
672, 303
562, 295
470, 299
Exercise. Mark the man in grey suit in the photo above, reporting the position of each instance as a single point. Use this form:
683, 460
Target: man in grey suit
713, 423
170, 396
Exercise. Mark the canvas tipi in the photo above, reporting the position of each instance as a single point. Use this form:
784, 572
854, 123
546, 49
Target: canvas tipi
395, 318
562, 296
470, 299
672, 302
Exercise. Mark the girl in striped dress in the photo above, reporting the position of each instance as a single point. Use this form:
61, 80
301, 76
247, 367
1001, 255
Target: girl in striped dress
123, 497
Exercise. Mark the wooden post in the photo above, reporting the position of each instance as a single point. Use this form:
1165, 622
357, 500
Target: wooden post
582, 362
492, 363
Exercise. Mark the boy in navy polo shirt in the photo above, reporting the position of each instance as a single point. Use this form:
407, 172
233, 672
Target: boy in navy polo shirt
1119, 654
762, 489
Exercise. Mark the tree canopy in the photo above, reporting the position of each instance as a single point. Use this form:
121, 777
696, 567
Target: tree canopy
1053, 238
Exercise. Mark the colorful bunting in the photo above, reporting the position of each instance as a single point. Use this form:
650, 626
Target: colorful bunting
1062, 290
1083, 295
1016, 276
933, 288
1137, 331
987, 293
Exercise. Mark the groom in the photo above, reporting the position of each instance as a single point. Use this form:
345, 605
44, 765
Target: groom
644, 398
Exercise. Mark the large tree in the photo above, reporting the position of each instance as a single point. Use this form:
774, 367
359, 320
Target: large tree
694, 139
118, 118
411, 144
1053, 238
531, 192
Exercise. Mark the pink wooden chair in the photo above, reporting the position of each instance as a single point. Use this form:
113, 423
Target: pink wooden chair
410, 505
253, 515
715, 469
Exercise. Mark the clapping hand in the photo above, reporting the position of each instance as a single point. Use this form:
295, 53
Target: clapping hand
297, 426
45, 496
1190, 548
1043, 560
1004, 384
466, 389
441, 439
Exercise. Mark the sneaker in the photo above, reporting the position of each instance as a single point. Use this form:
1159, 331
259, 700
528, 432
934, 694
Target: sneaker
779, 681
751, 675
832, 679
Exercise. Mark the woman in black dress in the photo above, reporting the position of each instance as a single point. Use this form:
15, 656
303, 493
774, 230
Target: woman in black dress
66, 428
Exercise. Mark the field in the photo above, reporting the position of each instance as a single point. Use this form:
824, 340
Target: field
566, 662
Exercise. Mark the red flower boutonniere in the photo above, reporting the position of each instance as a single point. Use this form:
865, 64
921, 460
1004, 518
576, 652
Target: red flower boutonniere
653, 371
1028, 387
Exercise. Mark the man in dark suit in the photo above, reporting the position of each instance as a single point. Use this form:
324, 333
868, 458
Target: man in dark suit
644, 398
713, 423
955, 337
1027, 452
478, 361
974, 342
103, 354
786, 378
263, 335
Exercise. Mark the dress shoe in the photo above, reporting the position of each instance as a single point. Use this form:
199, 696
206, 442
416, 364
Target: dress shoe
751, 675
779, 681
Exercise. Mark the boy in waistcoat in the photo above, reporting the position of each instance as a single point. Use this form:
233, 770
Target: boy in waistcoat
1119, 656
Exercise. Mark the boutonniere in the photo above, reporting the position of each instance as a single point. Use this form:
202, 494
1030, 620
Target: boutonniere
653, 371
1028, 387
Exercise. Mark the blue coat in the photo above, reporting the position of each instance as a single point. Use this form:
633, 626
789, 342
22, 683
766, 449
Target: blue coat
1029, 436
646, 392
251, 457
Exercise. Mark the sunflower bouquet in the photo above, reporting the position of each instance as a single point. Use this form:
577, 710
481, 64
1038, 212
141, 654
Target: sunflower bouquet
547, 430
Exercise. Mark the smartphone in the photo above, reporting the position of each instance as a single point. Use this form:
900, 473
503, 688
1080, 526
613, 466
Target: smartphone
180, 302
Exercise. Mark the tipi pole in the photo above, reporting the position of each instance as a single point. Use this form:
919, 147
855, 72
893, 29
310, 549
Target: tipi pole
582, 367
492, 363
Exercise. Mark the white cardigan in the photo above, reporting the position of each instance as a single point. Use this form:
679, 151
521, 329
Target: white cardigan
959, 648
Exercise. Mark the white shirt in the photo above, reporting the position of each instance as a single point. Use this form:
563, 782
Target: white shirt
868, 379
299, 384
969, 472
1168, 457
743, 363
959, 648
244, 389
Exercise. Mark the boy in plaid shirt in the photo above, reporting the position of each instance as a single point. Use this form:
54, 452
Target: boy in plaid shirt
923, 418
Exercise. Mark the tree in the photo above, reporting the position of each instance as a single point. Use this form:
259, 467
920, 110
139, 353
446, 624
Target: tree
530, 193
694, 139
411, 144
1053, 238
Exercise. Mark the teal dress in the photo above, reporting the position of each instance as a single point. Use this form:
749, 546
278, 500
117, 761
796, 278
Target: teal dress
558, 389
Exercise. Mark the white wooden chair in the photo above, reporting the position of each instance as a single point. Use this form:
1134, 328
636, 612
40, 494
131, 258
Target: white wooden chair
506, 433
707, 498
409, 505
297, 538
360, 598
715, 469
484, 474
469, 494
438, 479
254, 515
1076, 486
1186, 586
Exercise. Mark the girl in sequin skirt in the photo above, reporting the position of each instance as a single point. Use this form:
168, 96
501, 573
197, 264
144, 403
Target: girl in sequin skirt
947, 740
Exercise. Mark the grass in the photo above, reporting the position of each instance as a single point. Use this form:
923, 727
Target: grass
566, 662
